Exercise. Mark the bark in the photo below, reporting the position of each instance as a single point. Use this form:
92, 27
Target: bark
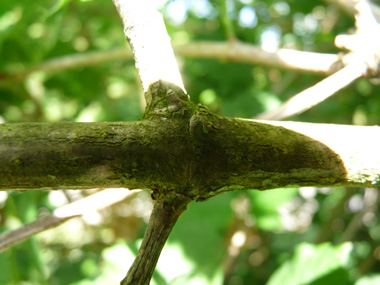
189, 151
146, 33
161, 223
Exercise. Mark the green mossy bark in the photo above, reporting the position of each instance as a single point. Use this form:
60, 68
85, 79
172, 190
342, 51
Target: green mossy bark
178, 147
190, 151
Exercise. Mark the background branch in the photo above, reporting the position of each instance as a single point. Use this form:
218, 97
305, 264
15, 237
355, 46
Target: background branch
317, 93
235, 51
363, 60
349, 6
62, 214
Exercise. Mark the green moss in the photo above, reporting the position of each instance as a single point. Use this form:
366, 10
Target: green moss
178, 149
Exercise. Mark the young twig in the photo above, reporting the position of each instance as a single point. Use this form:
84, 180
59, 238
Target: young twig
161, 223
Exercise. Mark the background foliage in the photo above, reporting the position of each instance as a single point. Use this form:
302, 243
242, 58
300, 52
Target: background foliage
292, 236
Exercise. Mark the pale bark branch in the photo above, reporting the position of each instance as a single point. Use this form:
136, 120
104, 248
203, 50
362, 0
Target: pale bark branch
73, 61
317, 93
146, 32
363, 59
235, 51
62, 214
364, 44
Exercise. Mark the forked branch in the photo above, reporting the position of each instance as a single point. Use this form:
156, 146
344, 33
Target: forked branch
363, 59
164, 93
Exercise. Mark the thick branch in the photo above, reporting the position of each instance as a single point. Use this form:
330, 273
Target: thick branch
87, 155
221, 154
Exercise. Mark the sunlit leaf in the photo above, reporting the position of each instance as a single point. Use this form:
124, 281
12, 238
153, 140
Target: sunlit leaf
315, 264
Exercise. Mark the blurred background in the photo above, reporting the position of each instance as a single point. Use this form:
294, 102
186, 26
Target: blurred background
283, 236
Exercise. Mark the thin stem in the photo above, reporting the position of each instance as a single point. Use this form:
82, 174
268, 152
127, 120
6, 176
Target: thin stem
161, 223
228, 26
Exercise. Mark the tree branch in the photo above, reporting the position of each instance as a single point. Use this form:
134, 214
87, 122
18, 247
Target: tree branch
347, 142
349, 6
96, 201
86, 155
145, 30
221, 154
235, 51
317, 93
72, 61
161, 223
362, 60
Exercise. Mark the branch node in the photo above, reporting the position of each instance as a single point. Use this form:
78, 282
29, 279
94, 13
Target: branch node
165, 98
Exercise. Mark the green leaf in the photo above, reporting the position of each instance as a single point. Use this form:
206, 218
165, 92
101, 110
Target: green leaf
315, 264
265, 206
